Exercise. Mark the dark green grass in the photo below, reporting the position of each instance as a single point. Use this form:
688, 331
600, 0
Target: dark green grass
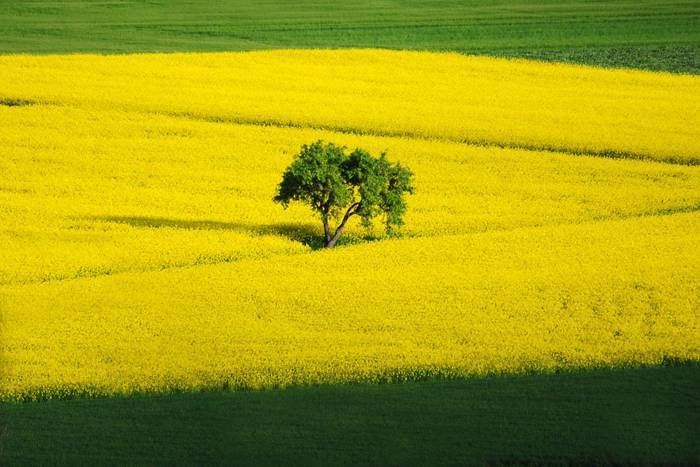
653, 34
605, 416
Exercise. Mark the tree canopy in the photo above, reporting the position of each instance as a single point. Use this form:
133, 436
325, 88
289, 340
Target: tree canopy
338, 186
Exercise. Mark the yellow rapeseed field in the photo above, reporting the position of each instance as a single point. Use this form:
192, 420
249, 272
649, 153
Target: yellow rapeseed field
141, 249
445, 96
605, 293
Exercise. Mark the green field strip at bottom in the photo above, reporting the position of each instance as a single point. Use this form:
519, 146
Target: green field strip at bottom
643, 415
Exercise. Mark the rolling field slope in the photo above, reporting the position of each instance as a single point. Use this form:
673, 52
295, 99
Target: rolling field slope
448, 97
145, 253
540, 305
90, 192
612, 293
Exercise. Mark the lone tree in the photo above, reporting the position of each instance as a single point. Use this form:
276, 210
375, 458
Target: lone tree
338, 186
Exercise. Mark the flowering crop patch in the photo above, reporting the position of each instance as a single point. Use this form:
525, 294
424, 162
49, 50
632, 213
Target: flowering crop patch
621, 113
141, 249
606, 293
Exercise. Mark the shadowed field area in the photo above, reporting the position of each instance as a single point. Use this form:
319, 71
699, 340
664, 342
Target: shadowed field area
604, 416
656, 35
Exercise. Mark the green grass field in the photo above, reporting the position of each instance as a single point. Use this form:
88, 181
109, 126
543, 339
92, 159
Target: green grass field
652, 34
632, 416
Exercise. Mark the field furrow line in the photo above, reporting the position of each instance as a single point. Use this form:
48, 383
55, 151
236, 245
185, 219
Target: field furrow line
214, 260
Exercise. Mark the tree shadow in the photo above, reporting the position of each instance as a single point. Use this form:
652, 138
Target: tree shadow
306, 234
13, 102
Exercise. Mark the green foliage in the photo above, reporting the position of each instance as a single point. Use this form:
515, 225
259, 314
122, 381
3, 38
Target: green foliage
315, 178
333, 182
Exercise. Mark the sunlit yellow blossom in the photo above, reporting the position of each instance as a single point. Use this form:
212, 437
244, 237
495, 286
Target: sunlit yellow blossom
606, 293
141, 249
86, 193
446, 96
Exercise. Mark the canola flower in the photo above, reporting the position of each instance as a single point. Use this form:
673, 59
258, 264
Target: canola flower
624, 113
587, 295
86, 193
141, 250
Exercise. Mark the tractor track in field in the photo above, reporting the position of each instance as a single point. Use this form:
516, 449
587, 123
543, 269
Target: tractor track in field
208, 261
605, 153
277, 123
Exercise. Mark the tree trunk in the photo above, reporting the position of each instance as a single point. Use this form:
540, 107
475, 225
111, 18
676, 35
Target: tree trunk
330, 241
326, 230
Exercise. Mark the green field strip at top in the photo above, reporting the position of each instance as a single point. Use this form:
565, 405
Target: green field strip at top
658, 35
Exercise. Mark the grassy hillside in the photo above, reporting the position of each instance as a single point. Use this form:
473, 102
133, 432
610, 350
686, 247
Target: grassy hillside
612, 416
660, 35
